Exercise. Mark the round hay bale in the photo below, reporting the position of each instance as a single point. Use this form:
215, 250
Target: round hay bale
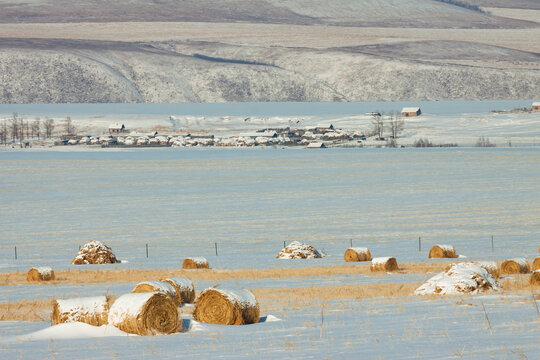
184, 288
384, 264
95, 252
515, 266
491, 267
298, 250
42, 273
442, 251
156, 286
145, 314
90, 310
536, 264
357, 254
535, 278
197, 262
226, 307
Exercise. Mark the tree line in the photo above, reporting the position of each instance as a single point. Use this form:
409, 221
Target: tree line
16, 129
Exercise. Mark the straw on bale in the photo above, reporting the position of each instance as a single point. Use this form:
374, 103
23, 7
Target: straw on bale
184, 289
536, 264
90, 310
95, 252
226, 307
156, 286
384, 264
145, 314
535, 278
460, 278
491, 267
197, 262
442, 251
298, 250
357, 254
42, 273
515, 266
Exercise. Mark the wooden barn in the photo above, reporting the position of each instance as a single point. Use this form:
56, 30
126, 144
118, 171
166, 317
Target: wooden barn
410, 111
536, 106
117, 129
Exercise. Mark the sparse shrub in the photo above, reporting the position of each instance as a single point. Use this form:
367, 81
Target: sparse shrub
423, 143
463, 5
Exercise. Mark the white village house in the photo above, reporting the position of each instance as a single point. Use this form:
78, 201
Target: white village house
536, 106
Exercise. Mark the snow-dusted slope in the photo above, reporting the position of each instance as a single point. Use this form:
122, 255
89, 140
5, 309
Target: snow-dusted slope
60, 71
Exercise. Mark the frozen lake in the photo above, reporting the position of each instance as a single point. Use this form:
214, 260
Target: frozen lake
451, 107
249, 201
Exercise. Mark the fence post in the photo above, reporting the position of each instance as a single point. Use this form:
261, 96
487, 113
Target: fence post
419, 244
492, 247
216, 248
147, 250
15, 253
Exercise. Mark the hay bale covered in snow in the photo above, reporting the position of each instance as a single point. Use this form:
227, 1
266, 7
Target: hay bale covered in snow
357, 254
226, 307
156, 286
184, 289
535, 278
536, 264
442, 251
90, 310
384, 264
460, 278
491, 267
298, 250
145, 314
515, 266
197, 262
95, 252
42, 273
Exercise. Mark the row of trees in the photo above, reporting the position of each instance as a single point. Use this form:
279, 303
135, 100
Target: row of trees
391, 122
17, 129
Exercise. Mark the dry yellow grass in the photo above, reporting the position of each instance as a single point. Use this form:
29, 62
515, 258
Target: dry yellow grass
99, 276
26, 310
268, 34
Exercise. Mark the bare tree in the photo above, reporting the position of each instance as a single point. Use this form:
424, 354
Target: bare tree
378, 125
69, 127
36, 127
484, 142
48, 124
396, 125
4, 132
14, 127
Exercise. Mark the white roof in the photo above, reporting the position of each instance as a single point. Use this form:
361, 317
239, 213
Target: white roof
259, 134
315, 145
116, 126
536, 103
410, 109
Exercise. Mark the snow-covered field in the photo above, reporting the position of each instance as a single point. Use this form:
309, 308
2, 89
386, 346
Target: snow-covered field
181, 202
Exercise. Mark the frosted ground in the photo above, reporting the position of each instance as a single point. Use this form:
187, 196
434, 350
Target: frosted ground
249, 201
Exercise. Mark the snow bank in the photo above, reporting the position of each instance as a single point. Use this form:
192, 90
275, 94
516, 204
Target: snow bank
460, 278
73, 330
